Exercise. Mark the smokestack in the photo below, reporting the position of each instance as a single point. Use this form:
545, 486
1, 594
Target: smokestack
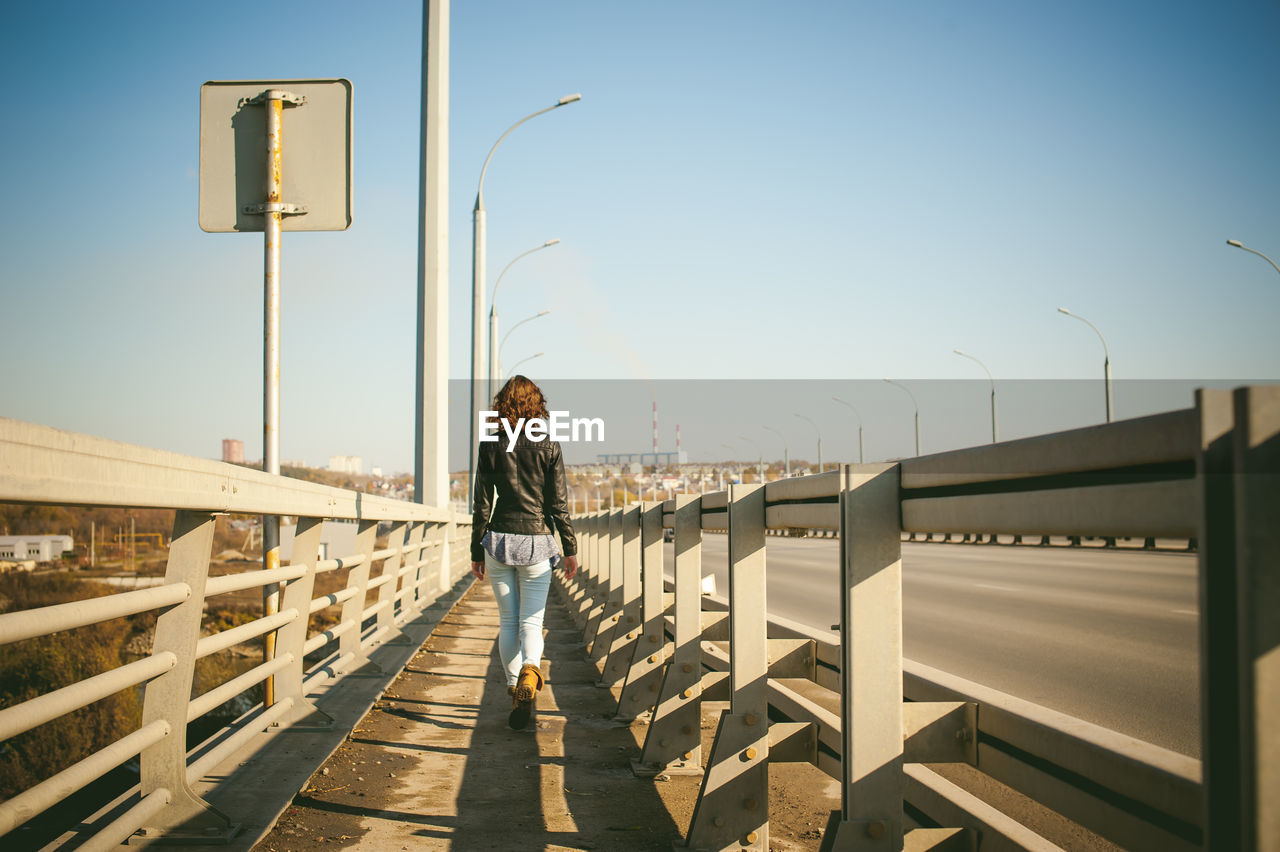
655, 431
677, 443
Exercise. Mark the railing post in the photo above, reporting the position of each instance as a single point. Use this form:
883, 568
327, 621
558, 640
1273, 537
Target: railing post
599, 580
871, 642
1238, 464
413, 601
350, 646
387, 592
732, 810
293, 636
451, 547
611, 550
644, 674
626, 628
673, 743
163, 766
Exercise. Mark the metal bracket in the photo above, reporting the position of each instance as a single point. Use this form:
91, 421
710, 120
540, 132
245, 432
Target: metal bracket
275, 95
281, 207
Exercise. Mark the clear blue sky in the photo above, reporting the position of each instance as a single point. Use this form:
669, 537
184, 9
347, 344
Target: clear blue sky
832, 190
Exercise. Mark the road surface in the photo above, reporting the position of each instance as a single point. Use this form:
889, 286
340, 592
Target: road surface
1109, 636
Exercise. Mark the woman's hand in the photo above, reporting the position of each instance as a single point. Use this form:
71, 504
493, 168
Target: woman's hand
570, 567
477, 568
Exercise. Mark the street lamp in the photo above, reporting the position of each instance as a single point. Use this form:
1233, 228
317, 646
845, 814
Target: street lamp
857, 415
819, 431
494, 371
1240, 245
477, 290
913, 402
1106, 357
786, 454
994, 435
521, 361
733, 455
542, 313
760, 462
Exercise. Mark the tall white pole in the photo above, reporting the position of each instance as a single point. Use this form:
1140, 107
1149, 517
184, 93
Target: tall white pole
478, 370
1106, 358
786, 452
908, 392
431, 432
850, 406
819, 431
274, 107
495, 359
995, 432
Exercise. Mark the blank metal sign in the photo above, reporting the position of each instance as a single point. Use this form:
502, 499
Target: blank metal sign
315, 153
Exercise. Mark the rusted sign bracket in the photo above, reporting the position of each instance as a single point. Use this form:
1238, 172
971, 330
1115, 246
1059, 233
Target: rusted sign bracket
281, 207
275, 95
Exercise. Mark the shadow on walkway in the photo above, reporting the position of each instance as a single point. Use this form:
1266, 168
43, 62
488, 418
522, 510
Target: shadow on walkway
435, 766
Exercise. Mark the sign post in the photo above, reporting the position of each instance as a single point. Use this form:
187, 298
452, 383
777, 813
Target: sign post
243, 166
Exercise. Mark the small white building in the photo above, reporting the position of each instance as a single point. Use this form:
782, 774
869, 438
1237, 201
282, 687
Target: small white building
346, 464
34, 548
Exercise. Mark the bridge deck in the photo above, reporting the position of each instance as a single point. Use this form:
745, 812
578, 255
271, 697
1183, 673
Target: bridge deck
434, 764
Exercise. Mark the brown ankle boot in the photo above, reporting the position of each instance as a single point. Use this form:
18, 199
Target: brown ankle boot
527, 686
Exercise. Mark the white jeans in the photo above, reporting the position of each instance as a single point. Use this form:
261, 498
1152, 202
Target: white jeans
521, 592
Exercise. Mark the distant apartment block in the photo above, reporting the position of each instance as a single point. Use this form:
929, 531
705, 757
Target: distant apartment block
346, 464
34, 548
232, 450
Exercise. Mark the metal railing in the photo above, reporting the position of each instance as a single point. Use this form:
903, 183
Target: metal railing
870, 719
46, 466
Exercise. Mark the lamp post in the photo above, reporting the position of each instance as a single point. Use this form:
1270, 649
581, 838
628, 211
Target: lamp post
732, 452
786, 453
849, 405
1241, 245
478, 287
819, 431
521, 361
494, 366
1106, 357
917, 406
541, 313
760, 461
995, 438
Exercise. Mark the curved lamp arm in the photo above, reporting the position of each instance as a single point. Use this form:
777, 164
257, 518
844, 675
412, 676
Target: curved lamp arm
567, 99
517, 325
493, 300
1105, 352
908, 392
512, 371
990, 378
1241, 245
850, 407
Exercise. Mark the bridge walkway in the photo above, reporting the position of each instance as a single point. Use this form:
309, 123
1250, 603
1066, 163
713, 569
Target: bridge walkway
433, 764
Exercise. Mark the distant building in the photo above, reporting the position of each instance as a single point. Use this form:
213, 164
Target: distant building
232, 451
375, 471
34, 548
346, 464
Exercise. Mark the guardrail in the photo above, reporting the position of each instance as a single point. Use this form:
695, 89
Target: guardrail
47, 466
861, 713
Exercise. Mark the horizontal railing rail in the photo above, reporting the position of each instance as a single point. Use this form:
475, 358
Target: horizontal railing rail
384, 589
855, 707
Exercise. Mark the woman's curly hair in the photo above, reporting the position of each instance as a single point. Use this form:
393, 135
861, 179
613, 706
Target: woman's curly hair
520, 398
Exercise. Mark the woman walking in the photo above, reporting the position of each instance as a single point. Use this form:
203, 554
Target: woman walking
512, 542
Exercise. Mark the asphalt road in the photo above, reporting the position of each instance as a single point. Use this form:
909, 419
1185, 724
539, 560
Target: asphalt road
1106, 636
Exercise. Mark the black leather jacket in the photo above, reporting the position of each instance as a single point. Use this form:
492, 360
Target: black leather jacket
531, 493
